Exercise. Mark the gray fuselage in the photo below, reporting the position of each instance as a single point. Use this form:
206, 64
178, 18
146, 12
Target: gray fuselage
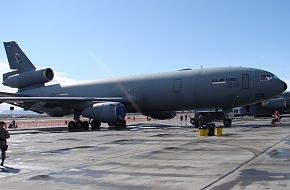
225, 87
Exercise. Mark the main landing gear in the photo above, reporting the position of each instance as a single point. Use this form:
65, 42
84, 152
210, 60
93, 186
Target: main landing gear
78, 125
83, 125
95, 125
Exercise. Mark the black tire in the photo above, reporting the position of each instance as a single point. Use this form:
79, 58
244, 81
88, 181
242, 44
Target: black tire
71, 126
123, 123
227, 122
118, 126
196, 123
95, 125
85, 125
79, 125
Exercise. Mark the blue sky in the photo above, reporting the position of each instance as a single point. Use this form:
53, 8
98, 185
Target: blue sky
91, 39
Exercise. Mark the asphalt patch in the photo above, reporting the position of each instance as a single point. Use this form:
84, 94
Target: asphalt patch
127, 141
250, 176
162, 135
67, 150
280, 153
40, 177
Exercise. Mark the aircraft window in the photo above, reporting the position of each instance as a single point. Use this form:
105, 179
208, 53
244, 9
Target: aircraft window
266, 77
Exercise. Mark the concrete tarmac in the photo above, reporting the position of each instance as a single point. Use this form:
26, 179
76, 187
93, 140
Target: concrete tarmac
169, 155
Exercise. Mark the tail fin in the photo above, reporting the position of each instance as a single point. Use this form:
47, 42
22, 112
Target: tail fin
23, 75
18, 61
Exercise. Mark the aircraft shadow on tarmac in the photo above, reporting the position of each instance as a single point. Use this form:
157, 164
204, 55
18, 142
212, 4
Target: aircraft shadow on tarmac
137, 127
140, 126
250, 176
40, 130
7, 169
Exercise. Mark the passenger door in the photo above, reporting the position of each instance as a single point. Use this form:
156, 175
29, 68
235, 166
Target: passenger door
177, 86
245, 81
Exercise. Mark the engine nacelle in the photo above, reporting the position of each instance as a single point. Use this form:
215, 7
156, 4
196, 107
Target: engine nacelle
107, 112
161, 115
29, 78
277, 103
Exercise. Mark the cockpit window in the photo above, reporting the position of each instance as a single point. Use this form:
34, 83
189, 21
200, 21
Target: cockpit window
266, 77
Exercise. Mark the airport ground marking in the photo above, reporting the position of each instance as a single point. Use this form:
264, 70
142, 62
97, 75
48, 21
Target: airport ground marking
245, 163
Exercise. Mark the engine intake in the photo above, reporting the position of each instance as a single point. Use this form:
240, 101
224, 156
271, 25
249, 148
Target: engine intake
107, 112
30, 78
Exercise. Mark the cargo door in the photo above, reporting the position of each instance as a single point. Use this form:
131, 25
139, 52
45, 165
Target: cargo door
245, 81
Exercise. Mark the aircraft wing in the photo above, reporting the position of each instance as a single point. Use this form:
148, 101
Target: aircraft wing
14, 97
62, 99
38, 103
7, 94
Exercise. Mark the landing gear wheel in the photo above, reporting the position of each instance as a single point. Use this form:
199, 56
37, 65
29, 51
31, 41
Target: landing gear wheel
227, 122
196, 123
85, 125
120, 125
123, 123
72, 126
75, 125
95, 125
78, 124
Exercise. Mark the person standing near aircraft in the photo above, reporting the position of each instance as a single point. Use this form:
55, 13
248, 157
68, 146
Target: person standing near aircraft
277, 116
4, 134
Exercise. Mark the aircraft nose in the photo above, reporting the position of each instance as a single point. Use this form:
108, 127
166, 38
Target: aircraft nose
285, 86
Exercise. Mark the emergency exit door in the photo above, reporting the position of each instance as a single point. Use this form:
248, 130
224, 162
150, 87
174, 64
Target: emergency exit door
245, 81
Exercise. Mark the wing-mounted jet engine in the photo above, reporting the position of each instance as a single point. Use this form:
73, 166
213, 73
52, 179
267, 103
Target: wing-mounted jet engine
112, 113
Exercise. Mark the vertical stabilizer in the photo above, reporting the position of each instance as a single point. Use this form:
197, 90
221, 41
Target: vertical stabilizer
17, 59
23, 75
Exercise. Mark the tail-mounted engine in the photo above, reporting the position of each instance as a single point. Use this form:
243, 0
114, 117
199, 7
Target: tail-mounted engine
29, 78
